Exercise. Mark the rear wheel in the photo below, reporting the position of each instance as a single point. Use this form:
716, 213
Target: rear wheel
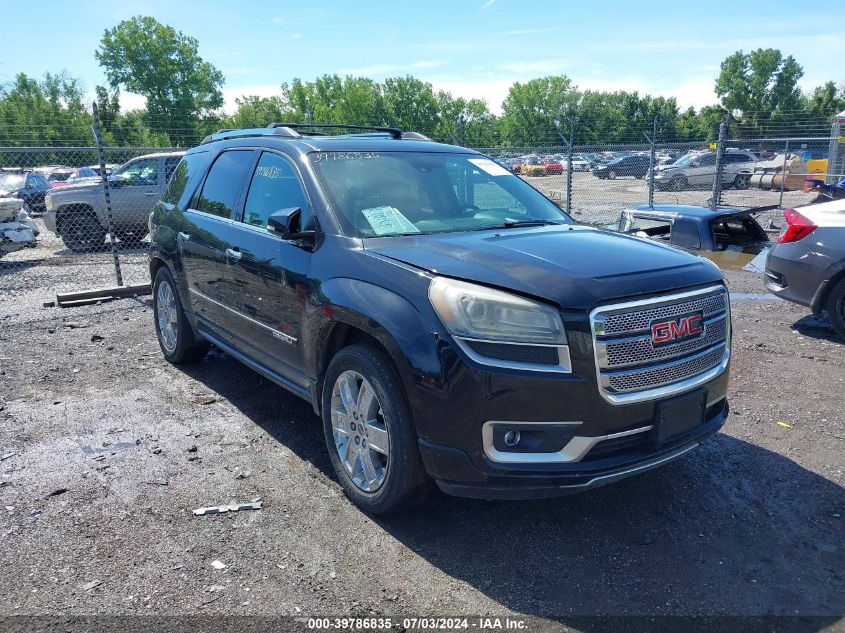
836, 307
371, 440
740, 182
611, 175
175, 336
81, 232
678, 183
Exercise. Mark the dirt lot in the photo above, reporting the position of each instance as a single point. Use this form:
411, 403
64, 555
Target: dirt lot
106, 449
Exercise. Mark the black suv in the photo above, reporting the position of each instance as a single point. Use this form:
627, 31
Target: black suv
444, 318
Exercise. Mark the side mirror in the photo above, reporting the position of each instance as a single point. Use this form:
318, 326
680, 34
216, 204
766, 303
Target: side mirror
287, 224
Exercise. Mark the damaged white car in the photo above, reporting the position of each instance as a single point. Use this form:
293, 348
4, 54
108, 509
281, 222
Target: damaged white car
17, 230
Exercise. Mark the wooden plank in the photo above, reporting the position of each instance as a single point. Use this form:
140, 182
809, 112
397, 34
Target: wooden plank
85, 297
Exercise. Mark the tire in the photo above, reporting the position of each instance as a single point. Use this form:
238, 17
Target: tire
178, 342
836, 308
611, 175
82, 232
378, 480
740, 182
678, 183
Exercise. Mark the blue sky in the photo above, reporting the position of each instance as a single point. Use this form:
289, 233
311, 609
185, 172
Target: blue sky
473, 48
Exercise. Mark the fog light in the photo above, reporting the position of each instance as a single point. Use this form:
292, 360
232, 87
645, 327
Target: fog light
512, 438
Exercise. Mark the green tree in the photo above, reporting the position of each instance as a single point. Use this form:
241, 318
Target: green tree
536, 110
45, 112
827, 100
760, 88
162, 64
410, 104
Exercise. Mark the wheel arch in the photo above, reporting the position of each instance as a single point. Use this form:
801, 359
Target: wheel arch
397, 331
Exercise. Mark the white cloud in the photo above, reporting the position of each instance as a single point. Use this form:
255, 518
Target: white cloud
371, 70
487, 4
533, 68
230, 94
287, 21
493, 91
530, 31
429, 63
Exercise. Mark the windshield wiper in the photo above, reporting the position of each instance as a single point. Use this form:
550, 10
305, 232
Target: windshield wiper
509, 223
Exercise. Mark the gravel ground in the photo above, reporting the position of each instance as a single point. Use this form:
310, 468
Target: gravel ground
106, 449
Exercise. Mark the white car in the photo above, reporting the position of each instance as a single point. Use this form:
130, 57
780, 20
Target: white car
17, 231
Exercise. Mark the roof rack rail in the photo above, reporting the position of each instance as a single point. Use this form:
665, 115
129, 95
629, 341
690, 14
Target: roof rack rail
222, 135
394, 132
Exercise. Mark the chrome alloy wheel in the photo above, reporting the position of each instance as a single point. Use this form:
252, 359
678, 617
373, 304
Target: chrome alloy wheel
167, 315
360, 433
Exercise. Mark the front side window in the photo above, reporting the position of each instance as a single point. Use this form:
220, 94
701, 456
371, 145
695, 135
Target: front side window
223, 183
393, 193
274, 186
140, 172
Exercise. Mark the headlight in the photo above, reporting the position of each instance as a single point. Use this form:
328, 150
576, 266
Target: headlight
477, 312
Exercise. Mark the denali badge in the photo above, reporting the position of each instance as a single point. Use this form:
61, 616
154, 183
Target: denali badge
681, 328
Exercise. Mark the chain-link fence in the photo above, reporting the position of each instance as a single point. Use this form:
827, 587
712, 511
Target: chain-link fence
85, 212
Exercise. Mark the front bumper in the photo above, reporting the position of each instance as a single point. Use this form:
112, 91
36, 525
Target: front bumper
455, 473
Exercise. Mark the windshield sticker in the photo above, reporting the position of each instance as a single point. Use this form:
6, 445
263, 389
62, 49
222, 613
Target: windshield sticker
487, 165
388, 220
319, 157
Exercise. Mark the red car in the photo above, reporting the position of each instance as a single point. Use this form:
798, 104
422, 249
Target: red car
554, 165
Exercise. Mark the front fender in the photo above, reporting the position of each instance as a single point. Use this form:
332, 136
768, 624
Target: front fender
408, 336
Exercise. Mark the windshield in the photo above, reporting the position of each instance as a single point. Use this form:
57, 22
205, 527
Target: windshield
683, 160
9, 182
395, 193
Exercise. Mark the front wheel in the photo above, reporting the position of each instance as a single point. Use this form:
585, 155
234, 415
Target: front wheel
81, 232
369, 434
175, 336
611, 175
836, 308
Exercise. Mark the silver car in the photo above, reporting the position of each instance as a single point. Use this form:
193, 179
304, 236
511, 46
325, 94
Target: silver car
807, 265
697, 170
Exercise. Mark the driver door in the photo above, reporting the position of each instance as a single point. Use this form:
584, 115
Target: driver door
134, 190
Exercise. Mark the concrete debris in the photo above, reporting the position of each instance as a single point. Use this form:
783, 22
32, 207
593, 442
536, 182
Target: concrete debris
234, 507
91, 585
205, 400
57, 492
218, 564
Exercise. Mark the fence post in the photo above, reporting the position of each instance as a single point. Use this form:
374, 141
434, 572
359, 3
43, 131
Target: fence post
720, 156
462, 123
783, 173
569, 168
106, 192
833, 171
651, 157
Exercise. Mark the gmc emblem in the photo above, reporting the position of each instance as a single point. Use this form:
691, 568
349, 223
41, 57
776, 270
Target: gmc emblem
680, 328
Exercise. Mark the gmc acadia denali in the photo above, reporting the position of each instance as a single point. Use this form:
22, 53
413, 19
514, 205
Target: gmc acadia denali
446, 320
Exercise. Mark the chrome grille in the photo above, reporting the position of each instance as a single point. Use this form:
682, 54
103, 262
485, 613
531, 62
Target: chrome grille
640, 320
665, 374
639, 350
630, 368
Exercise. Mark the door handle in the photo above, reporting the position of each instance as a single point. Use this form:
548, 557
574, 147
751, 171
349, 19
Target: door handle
150, 194
231, 253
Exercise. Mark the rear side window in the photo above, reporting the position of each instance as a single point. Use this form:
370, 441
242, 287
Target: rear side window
187, 170
275, 186
223, 184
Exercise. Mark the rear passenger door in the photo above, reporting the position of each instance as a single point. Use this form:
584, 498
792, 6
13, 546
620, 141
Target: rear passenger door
202, 240
269, 274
